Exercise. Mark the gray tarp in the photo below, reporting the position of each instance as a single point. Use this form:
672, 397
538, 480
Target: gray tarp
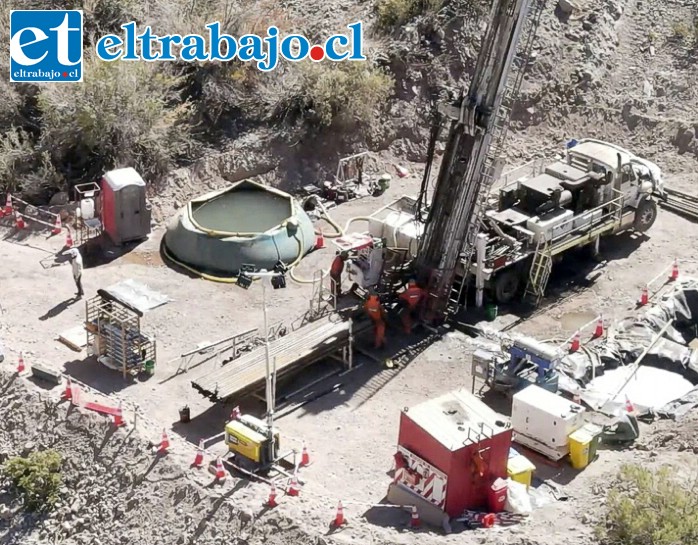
679, 408
626, 341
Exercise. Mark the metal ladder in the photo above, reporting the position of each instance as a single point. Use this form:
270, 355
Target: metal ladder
492, 165
539, 274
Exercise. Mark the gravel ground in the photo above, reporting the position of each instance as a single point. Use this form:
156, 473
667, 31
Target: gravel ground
588, 80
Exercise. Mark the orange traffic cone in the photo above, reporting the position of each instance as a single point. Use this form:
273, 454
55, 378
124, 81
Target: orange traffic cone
220, 470
68, 239
199, 458
20, 364
305, 457
68, 393
119, 417
320, 241
402, 172
598, 332
645, 296
19, 221
576, 342
629, 407
271, 501
674, 270
58, 227
8, 205
339, 519
165, 443
294, 487
414, 520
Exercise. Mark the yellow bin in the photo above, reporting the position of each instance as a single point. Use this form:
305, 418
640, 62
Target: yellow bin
580, 443
520, 469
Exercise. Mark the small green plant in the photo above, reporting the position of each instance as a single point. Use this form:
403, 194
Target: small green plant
651, 508
37, 478
392, 13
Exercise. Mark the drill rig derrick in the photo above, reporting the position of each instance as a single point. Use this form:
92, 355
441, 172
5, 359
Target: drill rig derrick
477, 130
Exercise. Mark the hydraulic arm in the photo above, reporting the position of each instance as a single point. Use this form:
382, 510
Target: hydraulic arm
478, 126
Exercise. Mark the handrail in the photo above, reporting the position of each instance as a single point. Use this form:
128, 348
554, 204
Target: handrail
617, 207
531, 168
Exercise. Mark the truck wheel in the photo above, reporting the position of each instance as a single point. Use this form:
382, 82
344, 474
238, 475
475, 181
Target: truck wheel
645, 215
506, 286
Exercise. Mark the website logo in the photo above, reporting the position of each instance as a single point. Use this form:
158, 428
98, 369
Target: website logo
265, 51
46, 45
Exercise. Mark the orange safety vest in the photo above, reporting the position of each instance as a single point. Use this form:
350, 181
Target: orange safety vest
412, 296
337, 266
373, 307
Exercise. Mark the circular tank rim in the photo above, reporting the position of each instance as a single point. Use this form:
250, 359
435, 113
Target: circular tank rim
246, 236
217, 256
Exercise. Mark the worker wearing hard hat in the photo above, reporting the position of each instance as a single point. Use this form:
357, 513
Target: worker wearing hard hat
411, 300
375, 311
336, 270
76, 262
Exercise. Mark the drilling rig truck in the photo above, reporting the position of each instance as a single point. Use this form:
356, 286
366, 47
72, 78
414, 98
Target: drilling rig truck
506, 239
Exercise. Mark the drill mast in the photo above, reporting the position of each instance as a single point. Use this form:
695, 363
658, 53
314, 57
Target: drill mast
471, 159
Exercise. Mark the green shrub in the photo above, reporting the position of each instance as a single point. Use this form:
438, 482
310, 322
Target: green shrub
392, 13
37, 478
26, 169
124, 114
651, 508
341, 94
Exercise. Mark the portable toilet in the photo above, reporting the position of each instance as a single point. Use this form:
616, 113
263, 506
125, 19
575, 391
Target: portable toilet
125, 210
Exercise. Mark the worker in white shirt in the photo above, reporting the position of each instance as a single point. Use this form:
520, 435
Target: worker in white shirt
76, 263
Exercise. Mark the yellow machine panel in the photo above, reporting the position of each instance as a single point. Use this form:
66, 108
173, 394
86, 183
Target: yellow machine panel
245, 441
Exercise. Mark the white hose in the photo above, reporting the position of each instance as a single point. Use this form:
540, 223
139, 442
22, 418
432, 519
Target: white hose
339, 232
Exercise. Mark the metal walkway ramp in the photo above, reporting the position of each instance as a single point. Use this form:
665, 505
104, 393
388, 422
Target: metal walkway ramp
302, 347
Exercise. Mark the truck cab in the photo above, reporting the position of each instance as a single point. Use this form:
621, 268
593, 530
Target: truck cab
635, 178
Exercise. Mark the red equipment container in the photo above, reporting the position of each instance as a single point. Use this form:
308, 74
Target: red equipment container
453, 448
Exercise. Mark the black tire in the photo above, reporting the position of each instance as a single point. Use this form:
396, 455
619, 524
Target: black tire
645, 215
506, 286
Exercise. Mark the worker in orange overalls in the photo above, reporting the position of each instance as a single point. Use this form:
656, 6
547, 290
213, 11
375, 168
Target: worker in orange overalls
411, 300
336, 270
375, 311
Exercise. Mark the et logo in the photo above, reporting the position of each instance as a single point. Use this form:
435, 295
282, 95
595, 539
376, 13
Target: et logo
45, 45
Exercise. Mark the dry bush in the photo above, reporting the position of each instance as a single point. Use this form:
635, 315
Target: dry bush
340, 94
651, 508
392, 13
124, 114
223, 91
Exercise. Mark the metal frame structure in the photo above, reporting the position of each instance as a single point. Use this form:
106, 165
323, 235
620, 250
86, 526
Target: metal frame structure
471, 161
114, 335
92, 228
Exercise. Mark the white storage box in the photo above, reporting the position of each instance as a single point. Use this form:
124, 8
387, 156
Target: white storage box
551, 225
586, 219
543, 421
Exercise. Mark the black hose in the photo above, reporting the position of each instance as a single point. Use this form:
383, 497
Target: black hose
423, 189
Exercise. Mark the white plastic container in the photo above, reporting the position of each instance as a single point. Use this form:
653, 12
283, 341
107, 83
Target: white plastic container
87, 209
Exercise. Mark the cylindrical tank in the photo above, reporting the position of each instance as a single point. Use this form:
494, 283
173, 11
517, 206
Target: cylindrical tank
537, 348
246, 224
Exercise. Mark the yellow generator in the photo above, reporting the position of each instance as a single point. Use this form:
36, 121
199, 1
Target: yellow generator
249, 437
